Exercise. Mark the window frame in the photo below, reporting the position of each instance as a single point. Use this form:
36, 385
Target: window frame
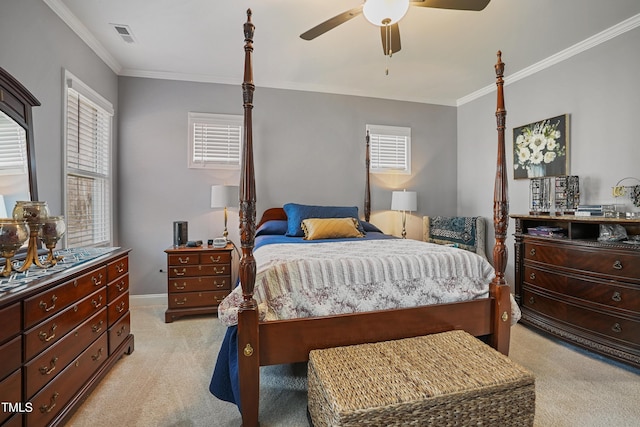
216, 122
101, 174
389, 132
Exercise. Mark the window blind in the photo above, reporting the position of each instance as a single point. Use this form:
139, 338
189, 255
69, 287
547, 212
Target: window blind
214, 141
13, 147
390, 149
88, 172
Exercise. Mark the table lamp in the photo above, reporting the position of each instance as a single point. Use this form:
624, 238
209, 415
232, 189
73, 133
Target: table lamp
404, 201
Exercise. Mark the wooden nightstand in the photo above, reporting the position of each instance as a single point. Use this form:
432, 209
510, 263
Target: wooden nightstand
198, 280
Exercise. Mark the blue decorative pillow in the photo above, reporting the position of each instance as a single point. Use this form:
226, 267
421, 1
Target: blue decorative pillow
367, 226
296, 213
273, 227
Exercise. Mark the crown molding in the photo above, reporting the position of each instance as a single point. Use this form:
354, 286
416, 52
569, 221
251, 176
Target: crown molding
595, 40
81, 31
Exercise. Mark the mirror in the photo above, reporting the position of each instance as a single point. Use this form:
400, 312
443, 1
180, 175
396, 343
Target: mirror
17, 158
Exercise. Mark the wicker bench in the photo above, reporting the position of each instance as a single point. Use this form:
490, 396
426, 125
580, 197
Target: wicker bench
443, 379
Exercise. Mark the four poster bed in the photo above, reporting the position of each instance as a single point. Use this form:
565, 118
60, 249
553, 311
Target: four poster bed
258, 342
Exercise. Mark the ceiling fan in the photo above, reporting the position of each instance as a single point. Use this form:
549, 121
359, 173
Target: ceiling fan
386, 14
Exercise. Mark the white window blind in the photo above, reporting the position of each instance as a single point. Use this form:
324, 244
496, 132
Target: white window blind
13, 147
88, 168
214, 141
390, 149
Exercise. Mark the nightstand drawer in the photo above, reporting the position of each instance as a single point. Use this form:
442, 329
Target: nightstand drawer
217, 257
184, 259
206, 283
196, 299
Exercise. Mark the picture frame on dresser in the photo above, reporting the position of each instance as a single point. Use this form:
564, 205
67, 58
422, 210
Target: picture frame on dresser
577, 287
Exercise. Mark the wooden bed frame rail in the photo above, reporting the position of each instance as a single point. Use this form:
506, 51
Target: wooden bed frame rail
289, 341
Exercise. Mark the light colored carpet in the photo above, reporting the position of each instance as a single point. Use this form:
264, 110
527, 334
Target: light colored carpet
165, 381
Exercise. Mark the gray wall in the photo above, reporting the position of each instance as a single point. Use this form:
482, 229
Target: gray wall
309, 148
599, 88
36, 47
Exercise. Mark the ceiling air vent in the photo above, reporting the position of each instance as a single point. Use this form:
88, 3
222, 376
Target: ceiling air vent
125, 32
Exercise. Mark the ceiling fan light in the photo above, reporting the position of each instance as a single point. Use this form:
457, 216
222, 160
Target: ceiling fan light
379, 11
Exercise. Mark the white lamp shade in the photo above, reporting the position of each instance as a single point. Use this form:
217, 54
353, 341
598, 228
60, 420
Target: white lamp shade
224, 196
404, 201
377, 11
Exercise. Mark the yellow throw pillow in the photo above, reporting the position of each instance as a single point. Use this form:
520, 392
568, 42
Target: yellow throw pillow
330, 228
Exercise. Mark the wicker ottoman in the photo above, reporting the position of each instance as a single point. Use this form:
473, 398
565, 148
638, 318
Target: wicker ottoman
446, 379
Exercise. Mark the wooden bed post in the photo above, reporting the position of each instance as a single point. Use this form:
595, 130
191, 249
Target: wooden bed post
499, 288
248, 345
367, 189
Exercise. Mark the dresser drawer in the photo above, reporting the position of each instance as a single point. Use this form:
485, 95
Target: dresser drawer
184, 259
117, 308
10, 356
117, 268
10, 318
117, 287
59, 392
54, 300
11, 391
119, 331
206, 283
49, 332
591, 290
216, 257
51, 362
196, 299
607, 326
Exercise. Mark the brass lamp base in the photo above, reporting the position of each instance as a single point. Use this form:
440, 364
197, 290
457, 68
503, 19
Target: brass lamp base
32, 253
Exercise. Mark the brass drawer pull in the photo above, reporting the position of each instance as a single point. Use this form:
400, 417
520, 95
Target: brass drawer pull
616, 328
97, 356
45, 337
97, 303
532, 276
183, 261
121, 331
215, 270
120, 307
183, 302
120, 267
532, 252
219, 285
46, 370
43, 305
616, 296
217, 259
45, 409
532, 300
179, 288
617, 265
97, 327
97, 281
121, 286
177, 273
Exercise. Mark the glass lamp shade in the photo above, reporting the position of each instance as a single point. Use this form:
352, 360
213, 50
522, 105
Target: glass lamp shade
53, 228
13, 234
385, 12
404, 201
31, 211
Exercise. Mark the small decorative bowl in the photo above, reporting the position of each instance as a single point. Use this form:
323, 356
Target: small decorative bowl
31, 211
13, 234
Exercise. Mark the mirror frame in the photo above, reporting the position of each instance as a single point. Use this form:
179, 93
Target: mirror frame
16, 102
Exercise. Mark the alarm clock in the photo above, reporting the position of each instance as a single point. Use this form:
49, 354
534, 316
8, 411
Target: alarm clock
219, 242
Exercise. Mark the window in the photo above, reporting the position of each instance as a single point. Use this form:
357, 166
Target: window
88, 196
214, 141
13, 147
390, 149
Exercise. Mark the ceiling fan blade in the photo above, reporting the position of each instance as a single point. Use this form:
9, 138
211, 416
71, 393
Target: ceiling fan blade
393, 32
452, 4
330, 24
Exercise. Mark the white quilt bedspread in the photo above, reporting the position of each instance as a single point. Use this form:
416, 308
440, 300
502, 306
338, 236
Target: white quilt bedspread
320, 279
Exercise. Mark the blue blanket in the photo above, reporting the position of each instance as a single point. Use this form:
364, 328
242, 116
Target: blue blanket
225, 382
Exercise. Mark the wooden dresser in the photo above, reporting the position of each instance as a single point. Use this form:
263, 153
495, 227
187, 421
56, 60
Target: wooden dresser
198, 280
60, 335
580, 289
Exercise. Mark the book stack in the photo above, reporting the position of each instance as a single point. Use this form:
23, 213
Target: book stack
590, 210
543, 230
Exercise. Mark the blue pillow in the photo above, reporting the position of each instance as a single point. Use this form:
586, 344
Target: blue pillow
296, 213
273, 227
367, 226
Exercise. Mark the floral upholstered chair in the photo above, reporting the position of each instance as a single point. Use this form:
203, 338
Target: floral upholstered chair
459, 231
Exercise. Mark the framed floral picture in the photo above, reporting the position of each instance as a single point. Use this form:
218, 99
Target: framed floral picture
541, 149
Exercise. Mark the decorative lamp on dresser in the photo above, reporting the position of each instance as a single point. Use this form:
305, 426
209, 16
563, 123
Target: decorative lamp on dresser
579, 286
198, 279
62, 330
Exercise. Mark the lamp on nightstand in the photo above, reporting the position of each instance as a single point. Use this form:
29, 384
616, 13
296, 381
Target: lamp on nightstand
224, 196
404, 201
